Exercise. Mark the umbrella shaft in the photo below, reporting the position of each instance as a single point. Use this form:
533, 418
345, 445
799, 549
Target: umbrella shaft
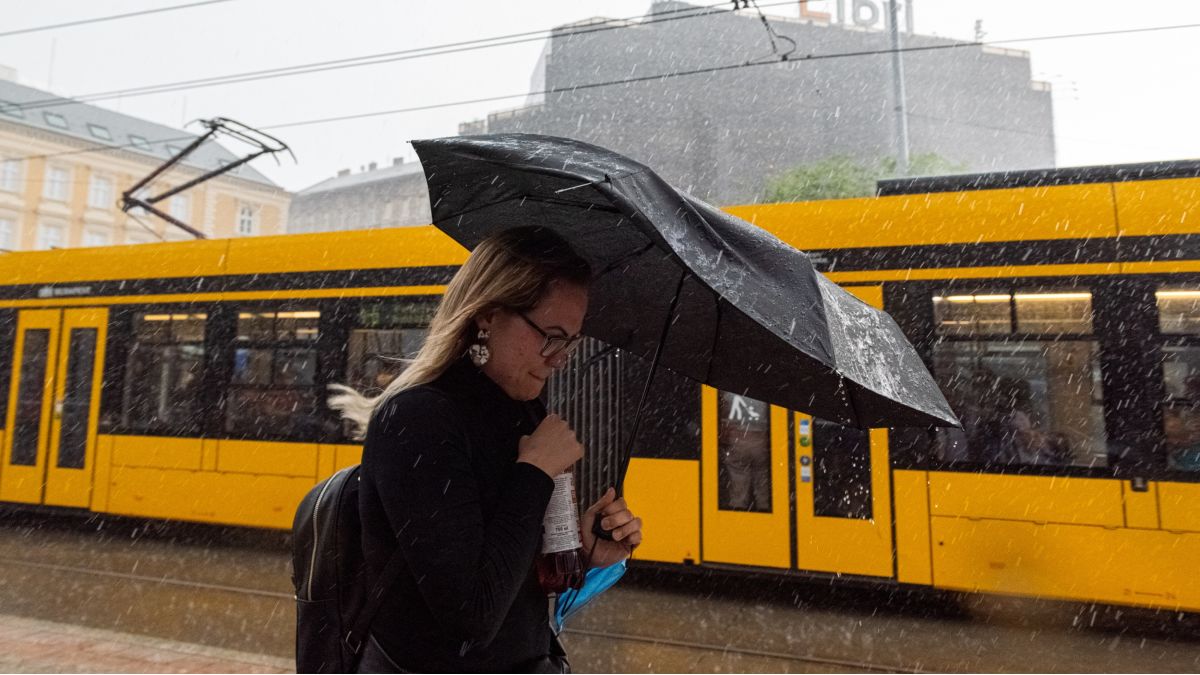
641, 406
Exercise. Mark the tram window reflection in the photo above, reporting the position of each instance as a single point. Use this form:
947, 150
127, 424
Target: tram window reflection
163, 372
1032, 397
744, 454
842, 471
273, 386
1179, 321
385, 335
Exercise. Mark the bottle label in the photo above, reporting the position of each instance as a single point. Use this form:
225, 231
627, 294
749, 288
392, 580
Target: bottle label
560, 526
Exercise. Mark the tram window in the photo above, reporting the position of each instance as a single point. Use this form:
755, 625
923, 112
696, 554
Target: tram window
384, 335
743, 454
8, 326
972, 314
1179, 321
163, 372
1178, 310
1026, 402
842, 471
273, 389
1031, 397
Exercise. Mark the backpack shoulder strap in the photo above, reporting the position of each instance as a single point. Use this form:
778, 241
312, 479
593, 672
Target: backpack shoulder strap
362, 625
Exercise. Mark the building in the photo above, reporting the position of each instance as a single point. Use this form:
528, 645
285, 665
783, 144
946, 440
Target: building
391, 196
63, 168
722, 134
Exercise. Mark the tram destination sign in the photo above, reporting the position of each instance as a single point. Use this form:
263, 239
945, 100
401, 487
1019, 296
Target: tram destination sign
63, 291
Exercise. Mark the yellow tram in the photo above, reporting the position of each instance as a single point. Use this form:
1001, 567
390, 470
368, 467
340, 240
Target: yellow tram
1059, 310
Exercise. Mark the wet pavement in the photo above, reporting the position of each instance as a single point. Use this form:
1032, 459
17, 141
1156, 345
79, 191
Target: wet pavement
188, 588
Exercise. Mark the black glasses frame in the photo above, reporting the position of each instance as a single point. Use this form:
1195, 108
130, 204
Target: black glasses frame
553, 344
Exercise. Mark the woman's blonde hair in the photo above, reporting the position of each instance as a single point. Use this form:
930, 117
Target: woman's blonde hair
510, 270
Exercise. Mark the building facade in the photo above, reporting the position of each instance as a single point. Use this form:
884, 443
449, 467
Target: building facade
391, 196
722, 135
64, 167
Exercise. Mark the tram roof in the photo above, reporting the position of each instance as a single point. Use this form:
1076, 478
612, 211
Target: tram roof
1074, 175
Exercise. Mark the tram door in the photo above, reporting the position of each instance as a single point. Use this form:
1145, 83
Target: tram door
49, 454
843, 491
744, 469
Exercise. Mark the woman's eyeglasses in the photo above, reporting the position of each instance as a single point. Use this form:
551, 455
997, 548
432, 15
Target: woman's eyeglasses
554, 344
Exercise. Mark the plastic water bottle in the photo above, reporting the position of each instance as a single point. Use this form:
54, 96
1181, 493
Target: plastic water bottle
560, 564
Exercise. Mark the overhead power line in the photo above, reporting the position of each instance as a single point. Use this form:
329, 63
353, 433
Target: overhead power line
661, 77
113, 17
380, 58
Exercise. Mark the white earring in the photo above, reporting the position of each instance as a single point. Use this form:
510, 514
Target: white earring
478, 350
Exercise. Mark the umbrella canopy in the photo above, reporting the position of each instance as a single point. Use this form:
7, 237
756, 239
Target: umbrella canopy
744, 311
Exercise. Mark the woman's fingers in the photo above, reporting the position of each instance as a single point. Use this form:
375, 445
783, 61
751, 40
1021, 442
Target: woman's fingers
612, 522
629, 533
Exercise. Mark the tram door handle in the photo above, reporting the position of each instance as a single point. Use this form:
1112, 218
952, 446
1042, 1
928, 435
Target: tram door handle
1139, 484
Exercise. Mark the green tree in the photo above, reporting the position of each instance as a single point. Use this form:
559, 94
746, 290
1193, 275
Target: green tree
842, 177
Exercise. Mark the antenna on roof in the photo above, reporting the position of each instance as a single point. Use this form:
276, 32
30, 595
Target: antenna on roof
264, 143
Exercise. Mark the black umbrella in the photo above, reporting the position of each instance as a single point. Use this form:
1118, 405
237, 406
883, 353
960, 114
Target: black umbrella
678, 281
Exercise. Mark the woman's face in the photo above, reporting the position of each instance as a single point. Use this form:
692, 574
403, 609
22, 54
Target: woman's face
516, 362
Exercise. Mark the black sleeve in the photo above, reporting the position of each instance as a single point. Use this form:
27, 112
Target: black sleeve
469, 569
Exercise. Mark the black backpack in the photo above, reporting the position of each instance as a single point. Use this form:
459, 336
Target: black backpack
333, 607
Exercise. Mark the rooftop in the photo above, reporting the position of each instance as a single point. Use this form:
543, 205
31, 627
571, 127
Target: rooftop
348, 180
103, 127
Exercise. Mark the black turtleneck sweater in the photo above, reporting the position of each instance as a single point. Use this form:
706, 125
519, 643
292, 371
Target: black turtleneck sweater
441, 480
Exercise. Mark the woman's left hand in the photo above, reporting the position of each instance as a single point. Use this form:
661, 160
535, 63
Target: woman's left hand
615, 516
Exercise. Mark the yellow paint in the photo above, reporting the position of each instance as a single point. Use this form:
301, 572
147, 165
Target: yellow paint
1170, 206
233, 296
325, 251
158, 451
1039, 499
844, 545
738, 537
20, 483
1141, 508
347, 455
1062, 212
66, 486
665, 494
103, 476
326, 459
234, 499
1076, 562
268, 457
1166, 267
914, 562
1180, 507
208, 456
998, 272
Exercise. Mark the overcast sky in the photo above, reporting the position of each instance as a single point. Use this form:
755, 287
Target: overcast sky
1120, 98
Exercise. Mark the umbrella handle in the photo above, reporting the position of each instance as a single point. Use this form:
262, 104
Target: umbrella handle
600, 532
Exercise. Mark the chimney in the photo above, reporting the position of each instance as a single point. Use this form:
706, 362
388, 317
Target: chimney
343, 173
397, 161
372, 166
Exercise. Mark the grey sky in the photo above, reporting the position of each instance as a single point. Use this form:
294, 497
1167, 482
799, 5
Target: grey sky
1119, 98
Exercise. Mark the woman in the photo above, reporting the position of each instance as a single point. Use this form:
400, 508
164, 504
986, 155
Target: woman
459, 461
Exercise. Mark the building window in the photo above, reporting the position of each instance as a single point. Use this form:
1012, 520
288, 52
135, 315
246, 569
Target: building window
93, 238
173, 149
11, 109
1022, 371
163, 372
99, 132
247, 223
100, 192
181, 207
51, 236
55, 120
140, 142
58, 183
8, 234
10, 175
273, 390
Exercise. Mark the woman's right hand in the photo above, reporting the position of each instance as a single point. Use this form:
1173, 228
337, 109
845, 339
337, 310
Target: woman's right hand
552, 447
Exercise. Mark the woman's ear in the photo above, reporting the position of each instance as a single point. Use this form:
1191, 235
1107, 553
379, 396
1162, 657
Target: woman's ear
484, 319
